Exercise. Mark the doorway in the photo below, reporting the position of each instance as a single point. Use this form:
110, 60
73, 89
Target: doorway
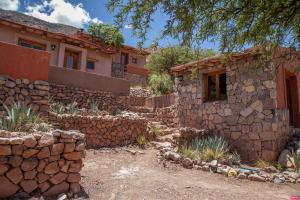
71, 60
292, 98
124, 61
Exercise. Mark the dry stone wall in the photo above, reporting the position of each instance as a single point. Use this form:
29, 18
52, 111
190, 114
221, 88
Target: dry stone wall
136, 79
106, 100
104, 131
40, 163
22, 90
248, 118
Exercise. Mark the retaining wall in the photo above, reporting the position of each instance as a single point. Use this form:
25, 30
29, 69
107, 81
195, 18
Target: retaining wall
40, 163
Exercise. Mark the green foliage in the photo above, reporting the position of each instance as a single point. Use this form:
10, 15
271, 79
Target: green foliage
19, 118
211, 148
141, 140
43, 127
57, 107
163, 60
161, 83
295, 161
280, 167
94, 107
109, 34
233, 24
154, 129
72, 108
262, 164
233, 158
189, 153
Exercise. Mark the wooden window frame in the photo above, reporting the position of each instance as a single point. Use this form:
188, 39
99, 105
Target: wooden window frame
91, 60
33, 44
134, 60
76, 60
206, 86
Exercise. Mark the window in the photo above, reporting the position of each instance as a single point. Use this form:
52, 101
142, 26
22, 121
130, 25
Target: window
90, 65
71, 60
31, 44
134, 60
215, 86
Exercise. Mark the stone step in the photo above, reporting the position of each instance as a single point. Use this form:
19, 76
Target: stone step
167, 131
166, 138
141, 109
161, 145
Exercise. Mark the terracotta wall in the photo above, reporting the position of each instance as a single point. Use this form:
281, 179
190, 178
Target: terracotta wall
20, 62
85, 80
103, 62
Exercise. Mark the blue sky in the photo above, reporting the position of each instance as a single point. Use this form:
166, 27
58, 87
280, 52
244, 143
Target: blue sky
80, 13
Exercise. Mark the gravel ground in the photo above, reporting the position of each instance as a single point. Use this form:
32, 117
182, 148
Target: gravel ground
121, 175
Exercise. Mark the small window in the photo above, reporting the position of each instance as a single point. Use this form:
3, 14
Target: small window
215, 86
134, 60
31, 44
90, 65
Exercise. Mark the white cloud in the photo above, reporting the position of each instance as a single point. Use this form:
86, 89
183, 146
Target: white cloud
96, 20
9, 4
61, 11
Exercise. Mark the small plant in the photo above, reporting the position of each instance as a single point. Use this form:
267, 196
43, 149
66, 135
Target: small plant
72, 108
19, 117
280, 167
94, 107
263, 164
295, 160
141, 140
154, 129
43, 127
211, 148
233, 158
57, 108
189, 153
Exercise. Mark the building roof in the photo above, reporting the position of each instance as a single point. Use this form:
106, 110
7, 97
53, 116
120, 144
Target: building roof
27, 20
216, 60
135, 50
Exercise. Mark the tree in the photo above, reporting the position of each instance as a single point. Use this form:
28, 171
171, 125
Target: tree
164, 59
235, 24
161, 61
109, 34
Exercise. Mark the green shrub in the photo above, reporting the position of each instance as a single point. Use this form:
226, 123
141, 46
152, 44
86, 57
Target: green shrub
141, 140
189, 153
19, 118
43, 127
57, 108
161, 83
154, 129
233, 158
72, 108
94, 107
295, 161
262, 164
211, 148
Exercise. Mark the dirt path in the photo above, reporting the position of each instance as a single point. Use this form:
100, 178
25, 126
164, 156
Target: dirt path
120, 175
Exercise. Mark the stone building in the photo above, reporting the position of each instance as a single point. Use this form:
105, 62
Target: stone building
250, 100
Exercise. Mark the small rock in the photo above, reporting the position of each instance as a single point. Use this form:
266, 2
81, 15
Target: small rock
29, 164
3, 169
285, 157
57, 189
232, 173
256, 177
52, 168
172, 156
242, 176
15, 175
7, 188
187, 163
62, 197
5, 150
278, 180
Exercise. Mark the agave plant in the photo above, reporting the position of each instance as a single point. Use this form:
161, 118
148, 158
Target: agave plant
295, 160
94, 107
72, 108
57, 108
19, 117
211, 148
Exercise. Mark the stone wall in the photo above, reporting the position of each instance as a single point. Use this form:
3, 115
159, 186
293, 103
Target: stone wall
136, 79
248, 119
32, 93
106, 100
40, 163
167, 116
103, 131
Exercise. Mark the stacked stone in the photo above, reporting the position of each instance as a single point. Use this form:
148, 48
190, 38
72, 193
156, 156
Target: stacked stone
47, 163
104, 131
140, 92
167, 116
107, 101
22, 90
248, 119
136, 79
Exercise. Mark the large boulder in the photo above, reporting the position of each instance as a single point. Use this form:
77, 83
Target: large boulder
285, 158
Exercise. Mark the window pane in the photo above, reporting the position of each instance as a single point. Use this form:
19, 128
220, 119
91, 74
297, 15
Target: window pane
212, 90
90, 65
69, 62
223, 93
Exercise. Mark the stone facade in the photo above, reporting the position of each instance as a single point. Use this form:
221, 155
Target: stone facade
22, 90
136, 79
103, 131
248, 118
40, 163
106, 100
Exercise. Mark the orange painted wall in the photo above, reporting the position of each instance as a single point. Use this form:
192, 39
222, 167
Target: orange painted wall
20, 62
283, 71
137, 70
